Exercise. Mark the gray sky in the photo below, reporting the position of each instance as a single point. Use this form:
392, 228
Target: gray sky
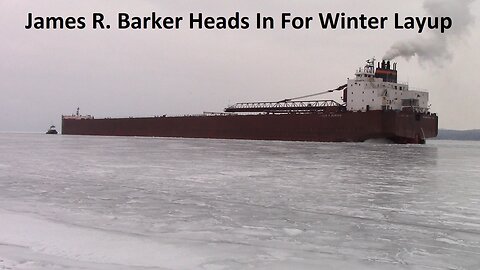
47, 73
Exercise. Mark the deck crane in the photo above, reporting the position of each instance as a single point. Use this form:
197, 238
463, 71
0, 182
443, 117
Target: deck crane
289, 105
340, 88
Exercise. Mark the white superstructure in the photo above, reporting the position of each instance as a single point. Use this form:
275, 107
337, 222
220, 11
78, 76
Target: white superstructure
378, 89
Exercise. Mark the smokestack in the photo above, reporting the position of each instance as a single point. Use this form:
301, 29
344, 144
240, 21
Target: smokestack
435, 47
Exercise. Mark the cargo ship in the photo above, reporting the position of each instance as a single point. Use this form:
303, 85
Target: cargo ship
374, 105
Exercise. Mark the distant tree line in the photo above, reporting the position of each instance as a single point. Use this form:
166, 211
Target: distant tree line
463, 135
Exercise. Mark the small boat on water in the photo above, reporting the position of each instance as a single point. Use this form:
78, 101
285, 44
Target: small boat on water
52, 130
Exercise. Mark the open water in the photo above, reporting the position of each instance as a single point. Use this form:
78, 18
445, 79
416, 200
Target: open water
79, 202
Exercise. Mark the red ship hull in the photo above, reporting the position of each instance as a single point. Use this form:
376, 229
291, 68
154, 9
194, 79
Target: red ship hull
400, 127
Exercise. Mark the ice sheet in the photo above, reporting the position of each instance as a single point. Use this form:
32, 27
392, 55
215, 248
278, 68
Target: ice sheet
73, 202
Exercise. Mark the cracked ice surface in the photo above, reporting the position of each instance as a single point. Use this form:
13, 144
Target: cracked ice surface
73, 202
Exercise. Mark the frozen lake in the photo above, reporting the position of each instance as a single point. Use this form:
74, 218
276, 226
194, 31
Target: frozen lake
73, 202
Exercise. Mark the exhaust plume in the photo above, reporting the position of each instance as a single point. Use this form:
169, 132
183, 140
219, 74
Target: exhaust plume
435, 47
